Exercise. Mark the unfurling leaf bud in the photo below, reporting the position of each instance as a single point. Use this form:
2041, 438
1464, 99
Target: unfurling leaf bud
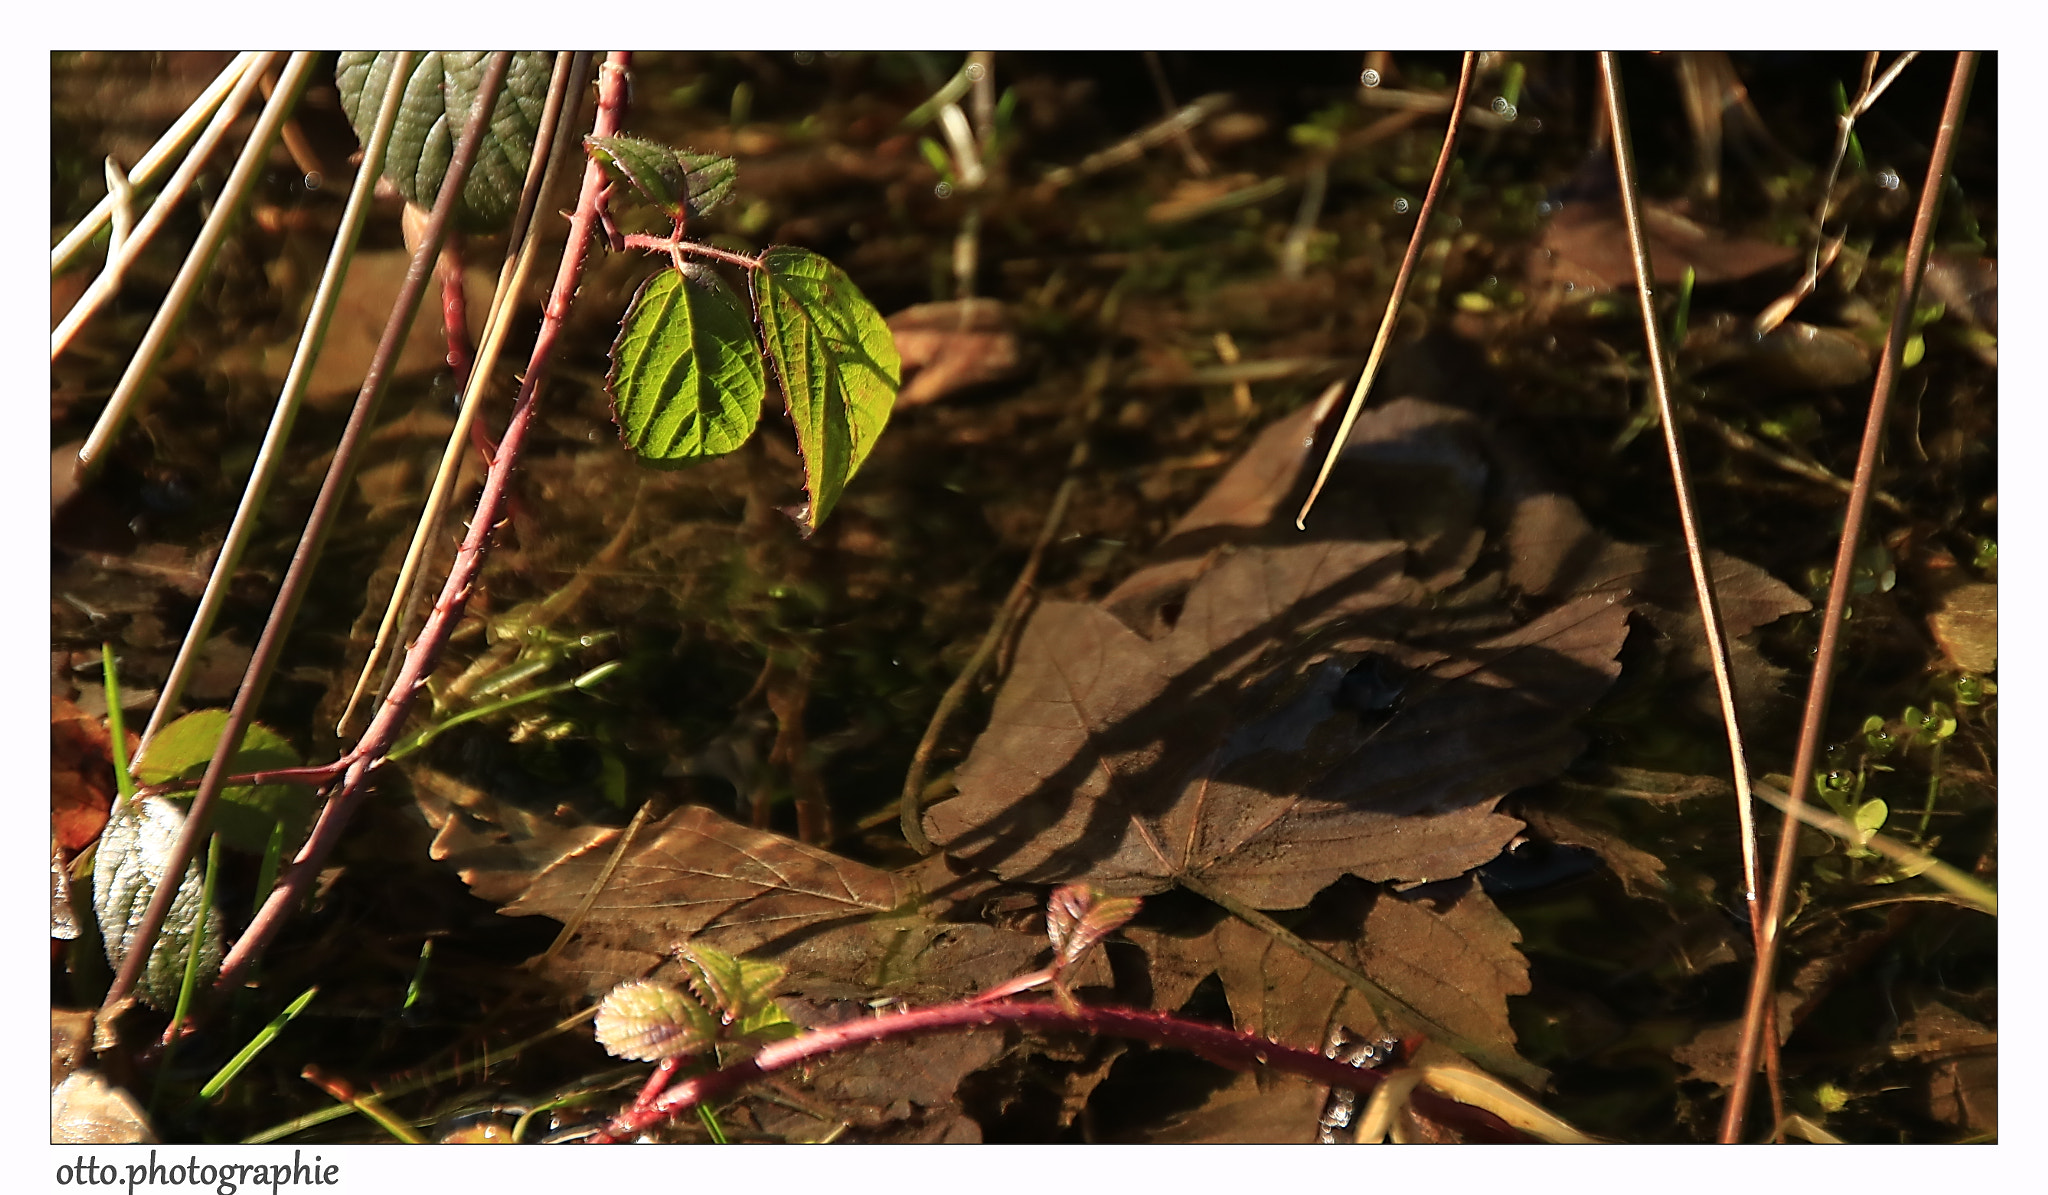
648, 1021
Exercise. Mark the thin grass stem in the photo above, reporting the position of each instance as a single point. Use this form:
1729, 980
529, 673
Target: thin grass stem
257, 1045
910, 805
1681, 478
490, 1059
1966, 888
1815, 717
117, 731
189, 982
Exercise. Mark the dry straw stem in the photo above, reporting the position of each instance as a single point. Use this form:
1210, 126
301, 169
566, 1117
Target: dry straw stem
545, 165
332, 491
1468, 1087
1867, 95
1761, 978
152, 163
271, 455
1966, 888
104, 286
369, 752
227, 208
1681, 481
1393, 313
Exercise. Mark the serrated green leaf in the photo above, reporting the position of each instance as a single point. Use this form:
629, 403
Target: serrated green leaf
648, 1021
686, 379
132, 857
436, 107
246, 815
734, 988
836, 362
669, 178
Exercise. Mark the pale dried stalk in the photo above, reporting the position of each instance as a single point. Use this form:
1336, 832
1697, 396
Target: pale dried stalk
153, 162
1681, 480
551, 149
270, 456
340, 473
1775, 314
102, 287
910, 807
1400, 292
369, 752
1761, 977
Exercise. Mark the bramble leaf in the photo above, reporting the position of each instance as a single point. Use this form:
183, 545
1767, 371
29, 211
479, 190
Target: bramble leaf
648, 1021
734, 988
686, 379
437, 102
837, 365
134, 853
246, 814
671, 179
1078, 916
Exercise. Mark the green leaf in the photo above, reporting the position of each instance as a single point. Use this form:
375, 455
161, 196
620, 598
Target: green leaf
246, 814
837, 365
134, 853
686, 379
648, 1021
669, 178
436, 107
765, 1024
1870, 817
734, 988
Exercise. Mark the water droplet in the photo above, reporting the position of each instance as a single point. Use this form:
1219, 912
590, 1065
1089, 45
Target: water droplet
1401, 207
944, 190
1371, 78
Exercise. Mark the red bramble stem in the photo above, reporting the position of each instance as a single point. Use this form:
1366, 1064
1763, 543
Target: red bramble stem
1228, 1047
369, 752
676, 247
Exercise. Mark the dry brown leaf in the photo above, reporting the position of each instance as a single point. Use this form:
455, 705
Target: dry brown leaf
1445, 950
1641, 873
1235, 748
1281, 1110
81, 775
1585, 246
947, 347
367, 293
1966, 626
